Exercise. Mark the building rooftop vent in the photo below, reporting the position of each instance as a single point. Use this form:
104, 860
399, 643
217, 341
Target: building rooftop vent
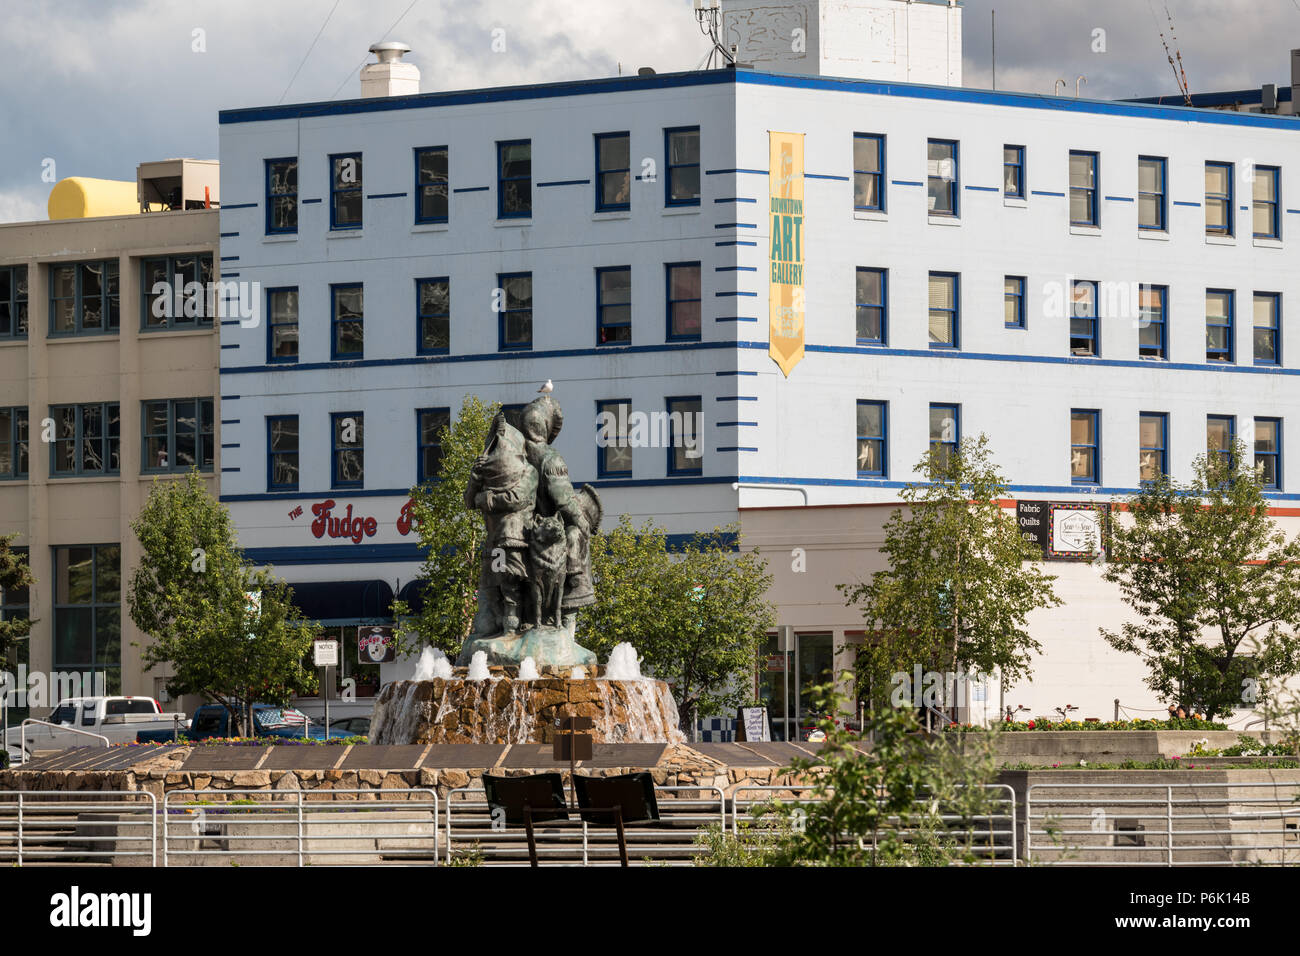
390, 76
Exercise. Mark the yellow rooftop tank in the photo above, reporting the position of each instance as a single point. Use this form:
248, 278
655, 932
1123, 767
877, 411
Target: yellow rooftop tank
79, 197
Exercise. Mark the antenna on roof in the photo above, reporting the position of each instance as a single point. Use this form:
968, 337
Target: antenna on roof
1180, 75
708, 14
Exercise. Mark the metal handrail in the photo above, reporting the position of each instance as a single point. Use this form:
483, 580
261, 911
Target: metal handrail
22, 744
30, 811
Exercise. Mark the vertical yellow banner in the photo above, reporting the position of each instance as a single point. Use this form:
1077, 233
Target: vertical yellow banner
785, 262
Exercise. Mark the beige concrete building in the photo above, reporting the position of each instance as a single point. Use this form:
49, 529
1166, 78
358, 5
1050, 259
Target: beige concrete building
104, 387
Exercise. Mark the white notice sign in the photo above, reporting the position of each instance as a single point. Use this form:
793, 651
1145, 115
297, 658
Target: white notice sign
327, 654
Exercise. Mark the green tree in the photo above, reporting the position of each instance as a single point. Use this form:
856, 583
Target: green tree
451, 537
1215, 586
960, 581
15, 575
697, 616
228, 632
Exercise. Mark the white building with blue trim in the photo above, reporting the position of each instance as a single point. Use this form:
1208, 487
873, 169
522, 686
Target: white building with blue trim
1099, 287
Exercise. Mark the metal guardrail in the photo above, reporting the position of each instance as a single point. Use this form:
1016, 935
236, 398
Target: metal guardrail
471, 831
299, 827
81, 827
1158, 824
63, 728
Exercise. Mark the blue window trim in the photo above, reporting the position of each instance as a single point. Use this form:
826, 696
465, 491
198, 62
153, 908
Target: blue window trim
1229, 201
356, 188
335, 448
1161, 449
1093, 191
1276, 455
1018, 299
1274, 205
272, 325
506, 311
502, 179
270, 196
1019, 166
1275, 310
79, 439
601, 172
955, 343
670, 168
78, 305
19, 434
421, 444
335, 289
881, 177
418, 191
271, 453
601, 324
669, 302
1229, 323
1162, 322
1162, 206
954, 186
173, 465
602, 470
14, 300
421, 316
954, 411
882, 305
1231, 421
1093, 335
882, 439
672, 435
1094, 415
173, 322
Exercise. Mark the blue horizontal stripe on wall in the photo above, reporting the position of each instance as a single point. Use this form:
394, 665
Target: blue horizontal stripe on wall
735, 372
1294, 210
735, 199
735, 448
567, 182
735, 269
735, 318
229, 469
905, 182
737, 398
334, 493
230, 258
230, 398
1119, 198
1245, 208
472, 189
240, 205
308, 202
233, 346
737, 425
230, 421
735, 225
1045, 192
838, 179
724, 172
385, 195
229, 235
735, 242
230, 322
725, 295
233, 444
984, 189
229, 275
1178, 202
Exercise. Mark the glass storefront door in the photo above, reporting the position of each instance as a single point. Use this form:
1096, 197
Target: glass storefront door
811, 664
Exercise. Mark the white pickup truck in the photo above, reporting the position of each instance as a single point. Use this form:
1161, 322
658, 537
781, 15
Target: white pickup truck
117, 718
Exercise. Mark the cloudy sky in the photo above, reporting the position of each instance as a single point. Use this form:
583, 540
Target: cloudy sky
97, 86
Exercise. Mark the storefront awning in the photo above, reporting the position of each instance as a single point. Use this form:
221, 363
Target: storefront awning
343, 602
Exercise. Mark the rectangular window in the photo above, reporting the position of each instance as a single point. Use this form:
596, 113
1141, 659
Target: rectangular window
942, 177
872, 439
1153, 329
1152, 202
685, 432
431, 184
15, 605
515, 179
84, 298
431, 423
176, 292
871, 310
87, 439
13, 443
1220, 432
613, 172
1218, 199
1268, 328
516, 323
282, 324
1013, 172
944, 310
347, 320
177, 435
1083, 189
614, 306
1219, 308
1013, 302
349, 449
345, 191
1153, 439
1083, 319
613, 453
13, 302
682, 166
945, 430
433, 315
1267, 202
282, 453
869, 171
1268, 452
88, 612
1085, 461
684, 301
282, 196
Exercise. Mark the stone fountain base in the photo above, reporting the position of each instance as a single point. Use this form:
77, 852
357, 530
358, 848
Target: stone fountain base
505, 710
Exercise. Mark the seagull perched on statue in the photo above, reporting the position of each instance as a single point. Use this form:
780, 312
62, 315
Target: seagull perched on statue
547, 388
